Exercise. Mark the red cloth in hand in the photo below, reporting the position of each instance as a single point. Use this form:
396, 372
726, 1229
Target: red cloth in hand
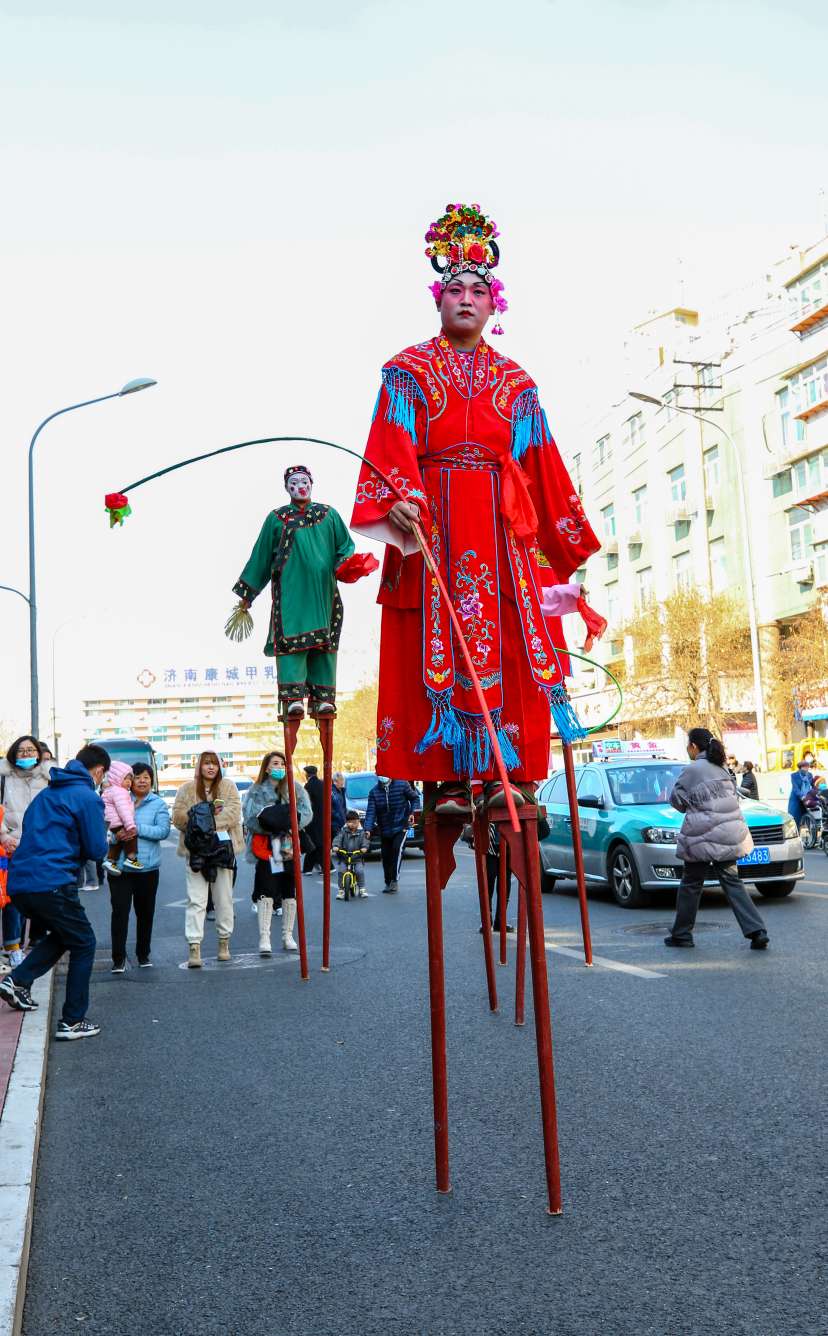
595, 624
356, 566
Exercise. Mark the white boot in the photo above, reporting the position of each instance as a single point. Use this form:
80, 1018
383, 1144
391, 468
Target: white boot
264, 907
288, 920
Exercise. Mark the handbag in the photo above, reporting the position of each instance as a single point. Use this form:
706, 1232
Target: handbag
260, 847
5, 898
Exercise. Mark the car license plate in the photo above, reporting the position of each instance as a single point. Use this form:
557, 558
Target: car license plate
755, 856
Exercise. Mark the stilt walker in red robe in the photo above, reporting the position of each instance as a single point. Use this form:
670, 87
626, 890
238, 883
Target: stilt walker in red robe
459, 429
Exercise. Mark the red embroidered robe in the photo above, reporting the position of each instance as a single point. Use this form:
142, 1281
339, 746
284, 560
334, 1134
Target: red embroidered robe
465, 439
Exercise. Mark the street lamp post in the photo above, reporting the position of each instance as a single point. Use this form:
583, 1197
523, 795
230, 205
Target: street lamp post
747, 562
131, 387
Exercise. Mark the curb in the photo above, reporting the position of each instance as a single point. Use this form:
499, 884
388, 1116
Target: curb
19, 1142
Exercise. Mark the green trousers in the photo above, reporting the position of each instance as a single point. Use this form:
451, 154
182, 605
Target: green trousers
309, 673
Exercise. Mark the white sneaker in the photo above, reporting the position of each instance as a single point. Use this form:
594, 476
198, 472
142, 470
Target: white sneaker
340, 895
279, 912
362, 893
111, 868
16, 958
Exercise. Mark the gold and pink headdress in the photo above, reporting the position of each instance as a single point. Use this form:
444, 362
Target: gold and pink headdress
463, 242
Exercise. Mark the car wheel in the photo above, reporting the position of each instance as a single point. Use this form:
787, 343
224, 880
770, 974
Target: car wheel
624, 881
775, 890
548, 883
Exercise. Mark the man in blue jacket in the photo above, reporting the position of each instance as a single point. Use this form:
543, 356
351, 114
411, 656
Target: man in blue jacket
63, 827
391, 804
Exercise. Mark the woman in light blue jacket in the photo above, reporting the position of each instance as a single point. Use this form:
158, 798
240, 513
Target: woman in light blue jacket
273, 882
138, 889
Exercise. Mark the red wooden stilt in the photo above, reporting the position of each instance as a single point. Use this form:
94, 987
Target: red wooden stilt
325, 724
291, 729
520, 957
578, 850
501, 896
437, 991
526, 867
480, 833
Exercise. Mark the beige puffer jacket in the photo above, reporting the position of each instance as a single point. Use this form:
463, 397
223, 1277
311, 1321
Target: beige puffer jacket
229, 818
20, 787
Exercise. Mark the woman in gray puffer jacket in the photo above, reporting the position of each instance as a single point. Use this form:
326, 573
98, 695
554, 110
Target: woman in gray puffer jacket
713, 835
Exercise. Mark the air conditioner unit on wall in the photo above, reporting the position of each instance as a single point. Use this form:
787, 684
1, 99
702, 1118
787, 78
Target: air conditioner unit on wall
678, 513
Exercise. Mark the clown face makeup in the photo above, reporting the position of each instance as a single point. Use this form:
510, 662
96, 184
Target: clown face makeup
299, 487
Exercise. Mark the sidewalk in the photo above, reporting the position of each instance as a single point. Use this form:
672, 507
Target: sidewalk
24, 1039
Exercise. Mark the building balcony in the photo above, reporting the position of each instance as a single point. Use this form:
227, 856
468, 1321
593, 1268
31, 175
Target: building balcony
803, 572
610, 546
813, 410
808, 320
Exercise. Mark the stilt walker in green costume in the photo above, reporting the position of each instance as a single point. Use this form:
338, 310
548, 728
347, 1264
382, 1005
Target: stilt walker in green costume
302, 550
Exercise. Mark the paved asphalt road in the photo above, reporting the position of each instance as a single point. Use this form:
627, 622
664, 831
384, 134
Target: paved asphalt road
242, 1153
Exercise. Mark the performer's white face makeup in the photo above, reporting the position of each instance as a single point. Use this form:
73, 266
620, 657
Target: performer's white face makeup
465, 306
299, 487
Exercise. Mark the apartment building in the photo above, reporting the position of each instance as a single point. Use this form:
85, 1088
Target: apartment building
661, 485
185, 710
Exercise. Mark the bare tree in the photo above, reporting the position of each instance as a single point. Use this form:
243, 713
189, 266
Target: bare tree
799, 668
689, 656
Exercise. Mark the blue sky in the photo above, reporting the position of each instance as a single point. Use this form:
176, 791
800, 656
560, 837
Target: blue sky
234, 203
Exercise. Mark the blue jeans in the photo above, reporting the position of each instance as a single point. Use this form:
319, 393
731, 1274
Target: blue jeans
68, 929
12, 927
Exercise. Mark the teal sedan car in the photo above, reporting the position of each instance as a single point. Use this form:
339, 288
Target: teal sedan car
629, 832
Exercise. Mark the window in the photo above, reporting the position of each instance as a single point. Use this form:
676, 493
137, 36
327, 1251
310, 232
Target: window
634, 431
710, 461
639, 498
821, 564
159, 733
810, 475
682, 574
807, 388
678, 484
681, 530
576, 472
718, 565
590, 786
613, 606
782, 483
809, 293
603, 451
800, 534
556, 792
709, 376
668, 400
190, 732
608, 521
644, 586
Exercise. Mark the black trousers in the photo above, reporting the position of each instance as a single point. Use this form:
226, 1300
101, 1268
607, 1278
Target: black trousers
493, 880
390, 845
136, 890
689, 895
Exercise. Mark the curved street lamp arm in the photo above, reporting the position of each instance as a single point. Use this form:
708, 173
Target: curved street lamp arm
11, 589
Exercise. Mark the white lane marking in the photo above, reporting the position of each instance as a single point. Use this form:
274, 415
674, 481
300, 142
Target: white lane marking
815, 895
606, 964
182, 904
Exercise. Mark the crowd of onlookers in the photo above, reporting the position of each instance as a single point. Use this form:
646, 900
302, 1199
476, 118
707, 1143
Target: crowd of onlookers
62, 829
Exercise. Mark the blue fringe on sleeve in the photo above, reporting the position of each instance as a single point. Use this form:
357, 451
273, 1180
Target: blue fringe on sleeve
529, 424
403, 396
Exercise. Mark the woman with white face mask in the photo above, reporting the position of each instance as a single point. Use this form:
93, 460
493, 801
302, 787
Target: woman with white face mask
270, 846
23, 774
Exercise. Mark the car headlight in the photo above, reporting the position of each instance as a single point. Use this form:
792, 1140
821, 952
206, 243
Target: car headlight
789, 828
659, 835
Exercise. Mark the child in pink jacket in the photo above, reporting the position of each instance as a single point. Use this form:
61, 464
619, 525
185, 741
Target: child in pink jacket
120, 816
